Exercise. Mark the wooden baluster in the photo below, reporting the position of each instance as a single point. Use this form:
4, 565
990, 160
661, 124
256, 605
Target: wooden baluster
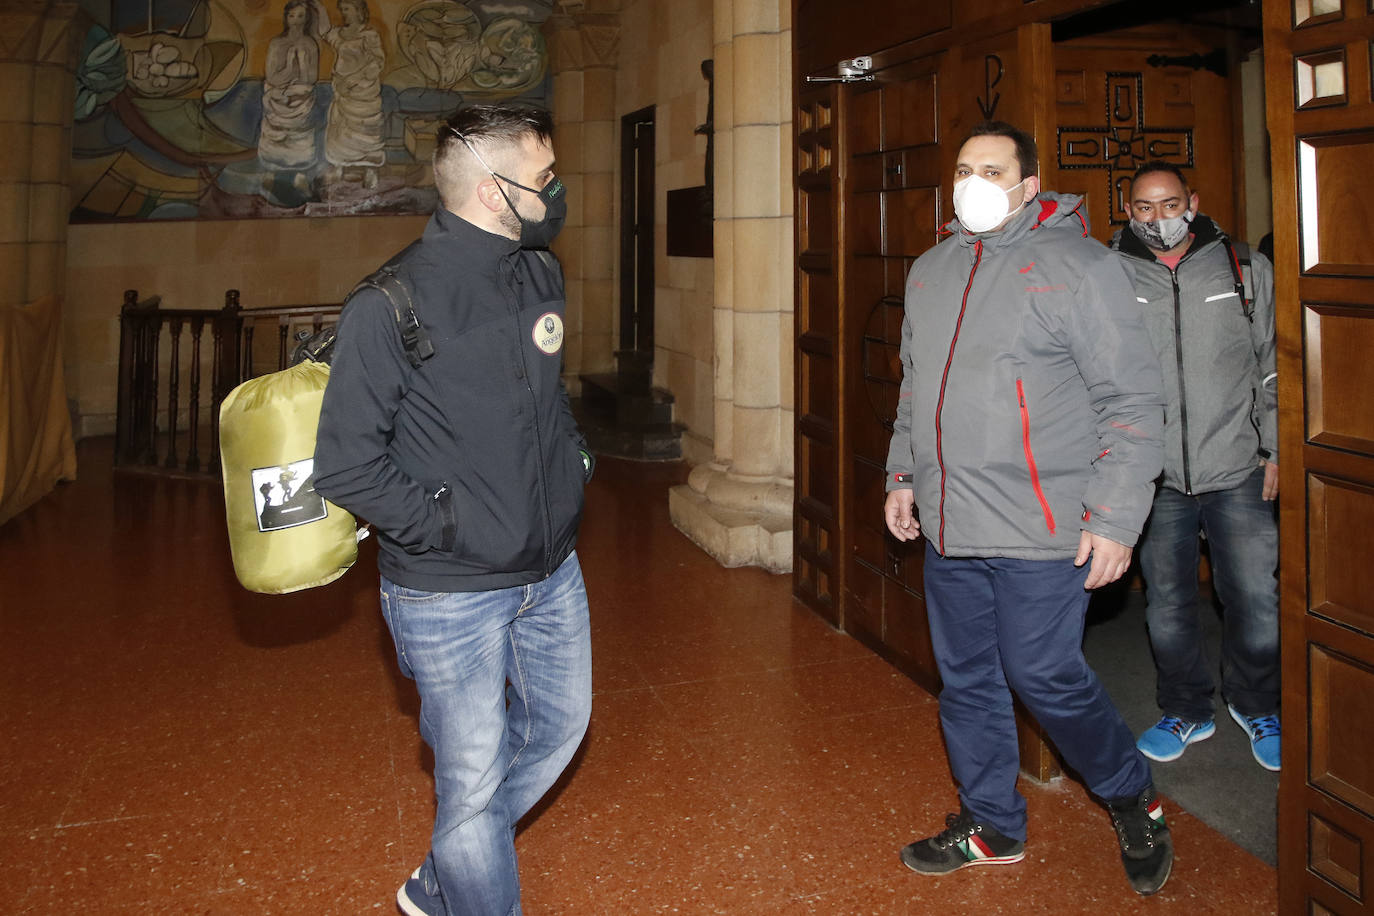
173, 389
283, 332
193, 451
152, 338
128, 366
142, 383
247, 372
228, 334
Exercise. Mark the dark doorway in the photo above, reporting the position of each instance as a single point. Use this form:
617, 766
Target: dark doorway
621, 412
637, 239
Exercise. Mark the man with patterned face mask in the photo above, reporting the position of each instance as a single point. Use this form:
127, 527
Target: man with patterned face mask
1028, 434
1209, 305
465, 457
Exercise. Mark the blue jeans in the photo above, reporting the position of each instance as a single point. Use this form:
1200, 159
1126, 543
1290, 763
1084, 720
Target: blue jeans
999, 625
1243, 538
496, 751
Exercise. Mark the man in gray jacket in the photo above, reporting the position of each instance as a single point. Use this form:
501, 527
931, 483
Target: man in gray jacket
1028, 435
1209, 307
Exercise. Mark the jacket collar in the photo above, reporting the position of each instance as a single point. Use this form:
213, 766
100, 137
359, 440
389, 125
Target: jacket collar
447, 228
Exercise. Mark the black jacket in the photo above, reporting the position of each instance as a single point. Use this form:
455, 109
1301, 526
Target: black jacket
469, 465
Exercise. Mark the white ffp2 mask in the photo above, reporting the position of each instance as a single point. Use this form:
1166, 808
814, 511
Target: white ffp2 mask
980, 204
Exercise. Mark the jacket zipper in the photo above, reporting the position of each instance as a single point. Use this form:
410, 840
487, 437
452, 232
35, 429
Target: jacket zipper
1182, 386
944, 377
1030, 457
534, 413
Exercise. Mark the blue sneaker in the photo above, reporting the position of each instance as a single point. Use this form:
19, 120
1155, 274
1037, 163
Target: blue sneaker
1171, 736
1264, 737
419, 896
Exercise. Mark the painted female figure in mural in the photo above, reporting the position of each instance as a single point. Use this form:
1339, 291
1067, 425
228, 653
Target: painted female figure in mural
286, 141
353, 136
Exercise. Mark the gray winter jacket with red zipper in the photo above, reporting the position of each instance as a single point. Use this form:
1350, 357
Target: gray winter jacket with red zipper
1032, 403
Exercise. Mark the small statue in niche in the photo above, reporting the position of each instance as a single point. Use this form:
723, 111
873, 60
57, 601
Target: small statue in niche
708, 68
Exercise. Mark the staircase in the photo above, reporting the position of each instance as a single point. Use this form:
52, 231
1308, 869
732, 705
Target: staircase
622, 414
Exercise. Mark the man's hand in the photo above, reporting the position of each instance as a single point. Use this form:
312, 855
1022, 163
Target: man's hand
1271, 480
1110, 559
897, 514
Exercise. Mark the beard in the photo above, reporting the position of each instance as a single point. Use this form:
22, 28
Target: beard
509, 219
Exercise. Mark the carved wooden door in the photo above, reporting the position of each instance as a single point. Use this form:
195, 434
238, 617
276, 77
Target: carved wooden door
1321, 127
1123, 98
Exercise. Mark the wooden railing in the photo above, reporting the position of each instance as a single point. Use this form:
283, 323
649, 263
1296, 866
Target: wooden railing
149, 413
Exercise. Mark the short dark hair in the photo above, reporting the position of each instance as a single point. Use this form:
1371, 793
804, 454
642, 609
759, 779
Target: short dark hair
1027, 157
497, 124
1159, 165
498, 128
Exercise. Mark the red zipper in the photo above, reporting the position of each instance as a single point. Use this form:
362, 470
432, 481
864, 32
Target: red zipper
940, 404
1030, 457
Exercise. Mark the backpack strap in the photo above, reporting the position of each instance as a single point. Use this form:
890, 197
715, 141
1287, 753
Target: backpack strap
387, 281
1238, 255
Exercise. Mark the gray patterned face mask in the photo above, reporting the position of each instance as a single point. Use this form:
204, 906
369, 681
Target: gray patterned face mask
1164, 233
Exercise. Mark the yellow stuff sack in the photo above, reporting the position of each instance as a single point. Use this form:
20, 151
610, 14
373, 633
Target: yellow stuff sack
283, 535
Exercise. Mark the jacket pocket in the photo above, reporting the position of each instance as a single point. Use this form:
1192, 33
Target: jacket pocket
1030, 457
444, 497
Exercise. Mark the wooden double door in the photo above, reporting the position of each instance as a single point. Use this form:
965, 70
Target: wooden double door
1318, 57
873, 167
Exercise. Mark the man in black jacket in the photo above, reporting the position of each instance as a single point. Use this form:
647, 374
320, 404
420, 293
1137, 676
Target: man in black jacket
471, 468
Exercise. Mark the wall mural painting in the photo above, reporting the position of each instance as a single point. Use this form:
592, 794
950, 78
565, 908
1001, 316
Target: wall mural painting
211, 109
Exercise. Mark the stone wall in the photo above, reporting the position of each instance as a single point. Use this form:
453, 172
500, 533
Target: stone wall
662, 47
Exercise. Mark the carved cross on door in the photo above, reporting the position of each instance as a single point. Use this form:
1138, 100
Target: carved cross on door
1124, 144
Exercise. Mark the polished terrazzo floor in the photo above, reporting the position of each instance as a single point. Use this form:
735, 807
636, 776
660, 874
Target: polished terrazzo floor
174, 744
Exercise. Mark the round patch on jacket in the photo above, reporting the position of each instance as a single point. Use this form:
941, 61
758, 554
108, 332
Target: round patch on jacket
548, 333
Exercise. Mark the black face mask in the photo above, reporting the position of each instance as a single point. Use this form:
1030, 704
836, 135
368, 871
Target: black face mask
534, 233
540, 233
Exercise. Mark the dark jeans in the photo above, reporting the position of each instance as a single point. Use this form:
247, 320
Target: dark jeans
998, 624
1242, 535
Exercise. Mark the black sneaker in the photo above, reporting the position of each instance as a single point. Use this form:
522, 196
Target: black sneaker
963, 842
1147, 850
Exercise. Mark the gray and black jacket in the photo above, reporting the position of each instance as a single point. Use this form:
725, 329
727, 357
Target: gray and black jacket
469, 464
1031, 405
1216, 347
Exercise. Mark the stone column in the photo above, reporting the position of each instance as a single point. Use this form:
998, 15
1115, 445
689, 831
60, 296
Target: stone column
36, 89
583, 45
739, 506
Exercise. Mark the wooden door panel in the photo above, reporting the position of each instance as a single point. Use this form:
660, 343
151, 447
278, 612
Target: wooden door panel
909, 112
911, 213
1341, 707
1321, 130
1115, 112
1342, 579
1336, 200
1337, 855
1340, 375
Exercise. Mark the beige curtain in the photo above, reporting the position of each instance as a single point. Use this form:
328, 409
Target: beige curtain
36, 449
